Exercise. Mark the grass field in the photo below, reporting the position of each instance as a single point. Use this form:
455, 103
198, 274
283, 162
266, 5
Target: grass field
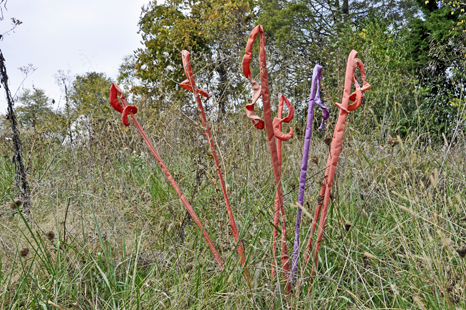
108, 232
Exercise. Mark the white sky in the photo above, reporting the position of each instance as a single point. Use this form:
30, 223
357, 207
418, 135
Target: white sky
80, 36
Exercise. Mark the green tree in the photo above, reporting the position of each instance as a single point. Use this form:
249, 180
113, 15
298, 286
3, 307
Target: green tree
165, 31
89, 95
213, 30
437, 45
392, 102
37, 113
305, 32
35, 110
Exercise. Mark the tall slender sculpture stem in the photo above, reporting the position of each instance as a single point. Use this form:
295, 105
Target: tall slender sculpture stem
313, 99
129, 110
190, 84
272, 128
335, 149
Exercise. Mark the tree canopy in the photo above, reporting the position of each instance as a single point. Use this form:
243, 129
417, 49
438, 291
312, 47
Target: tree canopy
89, 95
214, 31
414, 53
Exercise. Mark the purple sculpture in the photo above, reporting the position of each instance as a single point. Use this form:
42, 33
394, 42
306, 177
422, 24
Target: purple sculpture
313, 99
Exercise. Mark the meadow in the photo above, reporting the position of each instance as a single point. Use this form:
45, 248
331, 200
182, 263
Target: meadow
107, 231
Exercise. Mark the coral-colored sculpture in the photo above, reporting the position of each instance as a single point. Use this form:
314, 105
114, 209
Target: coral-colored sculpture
130, 110
335, 149
273, 131
190, 84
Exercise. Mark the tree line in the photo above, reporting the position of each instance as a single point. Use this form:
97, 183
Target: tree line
414, 53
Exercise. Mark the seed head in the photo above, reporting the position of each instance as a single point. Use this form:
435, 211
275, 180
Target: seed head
393, 141
315, 160
24, 252
461, 251
320, 200
50, 235
328, 140
16, 203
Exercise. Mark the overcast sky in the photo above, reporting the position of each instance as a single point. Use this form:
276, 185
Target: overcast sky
79, 36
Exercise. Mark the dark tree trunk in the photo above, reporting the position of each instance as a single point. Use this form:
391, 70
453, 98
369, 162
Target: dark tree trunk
345, 9
20, 173
336, 17
337, 4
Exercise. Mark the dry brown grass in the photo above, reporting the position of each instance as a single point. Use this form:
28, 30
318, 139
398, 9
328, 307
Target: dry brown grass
394, 238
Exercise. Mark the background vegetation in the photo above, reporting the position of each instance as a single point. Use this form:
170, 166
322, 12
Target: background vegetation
107, 231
